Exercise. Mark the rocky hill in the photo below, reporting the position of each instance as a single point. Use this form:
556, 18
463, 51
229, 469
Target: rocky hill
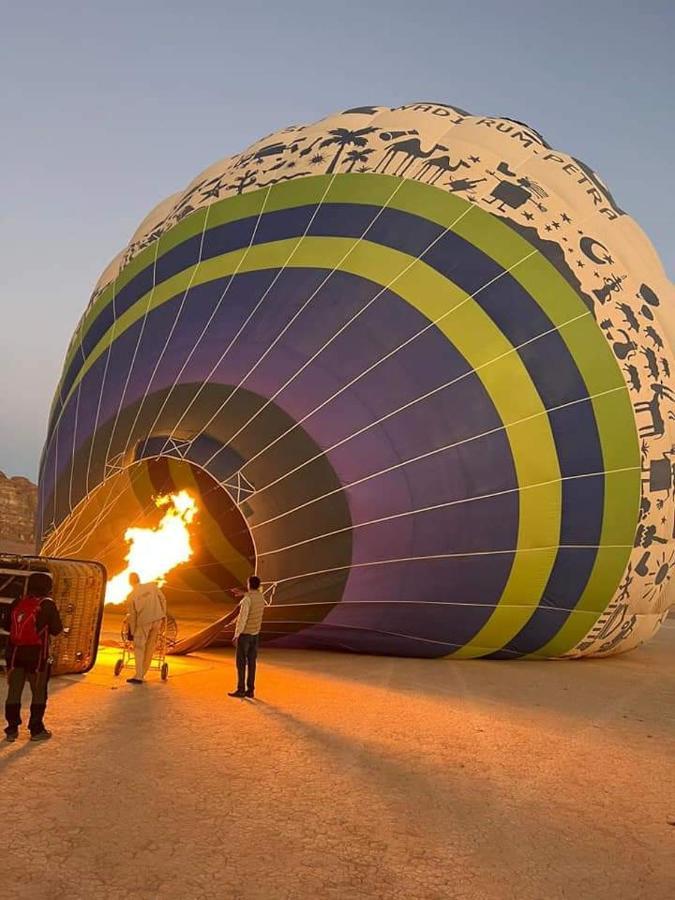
18, 503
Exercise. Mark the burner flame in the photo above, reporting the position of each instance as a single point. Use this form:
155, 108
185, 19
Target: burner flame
154, 552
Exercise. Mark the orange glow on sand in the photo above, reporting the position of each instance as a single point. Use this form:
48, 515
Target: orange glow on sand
154, 552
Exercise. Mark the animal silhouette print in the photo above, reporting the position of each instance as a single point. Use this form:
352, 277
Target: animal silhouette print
652, 362
409, 151
652, 408
437, 166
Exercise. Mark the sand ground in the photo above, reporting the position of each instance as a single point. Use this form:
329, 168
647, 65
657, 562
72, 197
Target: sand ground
351, 777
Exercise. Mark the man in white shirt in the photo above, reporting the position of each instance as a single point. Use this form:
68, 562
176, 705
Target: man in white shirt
146, 610
246, 636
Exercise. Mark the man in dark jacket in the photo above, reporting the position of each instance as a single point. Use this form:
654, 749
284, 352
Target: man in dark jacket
32, 620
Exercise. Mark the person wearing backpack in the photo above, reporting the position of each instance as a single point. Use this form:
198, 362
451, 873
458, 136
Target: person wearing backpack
33, 619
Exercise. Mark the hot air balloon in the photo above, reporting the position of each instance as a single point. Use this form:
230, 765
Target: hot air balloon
414, 365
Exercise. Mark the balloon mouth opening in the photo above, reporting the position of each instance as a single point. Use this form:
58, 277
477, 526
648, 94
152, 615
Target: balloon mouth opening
136, 520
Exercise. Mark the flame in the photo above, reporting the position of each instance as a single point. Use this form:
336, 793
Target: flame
153, 552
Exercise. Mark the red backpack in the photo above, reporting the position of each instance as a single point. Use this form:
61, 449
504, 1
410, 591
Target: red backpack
23, 630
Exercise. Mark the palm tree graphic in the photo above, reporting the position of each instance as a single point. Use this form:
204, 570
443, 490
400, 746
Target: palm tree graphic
343, 137
358, 156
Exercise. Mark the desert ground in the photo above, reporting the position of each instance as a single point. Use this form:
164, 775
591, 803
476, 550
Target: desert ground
351, 777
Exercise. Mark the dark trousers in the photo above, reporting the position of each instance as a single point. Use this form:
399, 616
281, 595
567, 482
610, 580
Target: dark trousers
16, 679
247, 654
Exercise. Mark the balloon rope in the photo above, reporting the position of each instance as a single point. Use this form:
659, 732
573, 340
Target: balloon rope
106, 511
108, 352
516, 167
72, 449
296, 246
74, 537
285, 329
366, 306
379, 362
151, 294
438, 556
410, 403
333, 337
404, 559
491, 431
370, 630
412, 512
203, 332
265, 294
337, 334
70, 534
170, 335
105, 508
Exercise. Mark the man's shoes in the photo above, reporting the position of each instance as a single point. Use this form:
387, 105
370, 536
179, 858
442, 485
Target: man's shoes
41, 735
239, 694
134, 681
12, 735
250, 695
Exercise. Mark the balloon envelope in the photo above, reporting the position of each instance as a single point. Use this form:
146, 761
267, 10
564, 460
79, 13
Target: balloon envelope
415, 366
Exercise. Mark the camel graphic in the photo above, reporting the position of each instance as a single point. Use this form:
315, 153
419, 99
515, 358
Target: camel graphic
441, 165
410, 149
656, 426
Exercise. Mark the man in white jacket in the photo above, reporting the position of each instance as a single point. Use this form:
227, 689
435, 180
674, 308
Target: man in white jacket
146, 610
246, 637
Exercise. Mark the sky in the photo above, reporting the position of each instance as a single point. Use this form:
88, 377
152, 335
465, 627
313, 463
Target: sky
106, 108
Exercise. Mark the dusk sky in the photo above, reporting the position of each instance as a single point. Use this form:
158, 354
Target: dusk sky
108, 108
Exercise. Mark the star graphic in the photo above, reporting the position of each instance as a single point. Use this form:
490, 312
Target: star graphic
596, 275
548, 228
475, 159
564, 240
580, 264
556, 225
528, 216
565, 218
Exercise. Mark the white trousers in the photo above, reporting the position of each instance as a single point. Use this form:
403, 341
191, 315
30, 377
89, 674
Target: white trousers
145, 641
